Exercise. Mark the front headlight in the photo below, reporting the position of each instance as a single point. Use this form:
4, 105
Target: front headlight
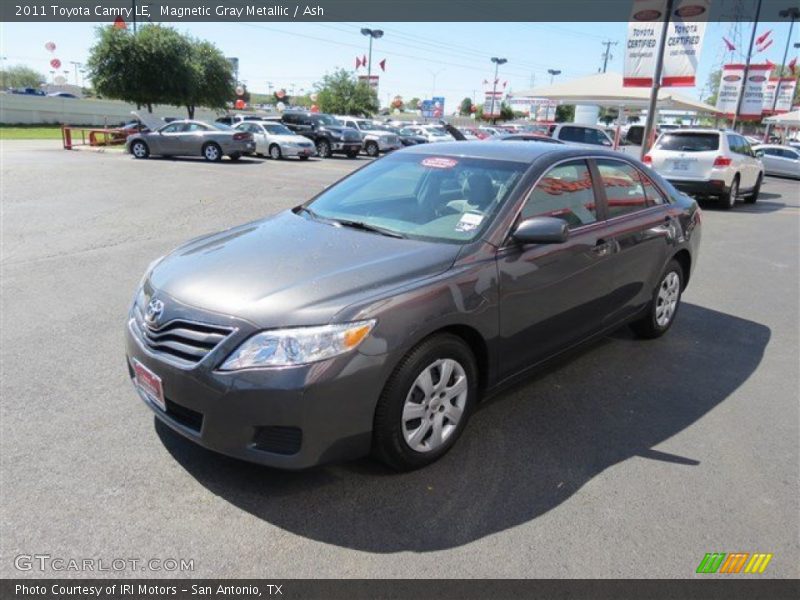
297, 346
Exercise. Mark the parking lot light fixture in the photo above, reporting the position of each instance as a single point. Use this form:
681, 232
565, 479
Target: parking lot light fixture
497, 62
373, 34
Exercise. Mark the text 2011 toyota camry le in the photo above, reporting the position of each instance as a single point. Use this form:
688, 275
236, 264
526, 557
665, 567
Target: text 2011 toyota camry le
374, 317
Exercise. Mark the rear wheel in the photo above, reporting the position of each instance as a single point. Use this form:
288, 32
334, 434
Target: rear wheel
304, 157
352, 154
323, 149
664, 306
274, 152
753, 196
235, 156
426, 403
372, 149
139, 149
729, 199
212, 152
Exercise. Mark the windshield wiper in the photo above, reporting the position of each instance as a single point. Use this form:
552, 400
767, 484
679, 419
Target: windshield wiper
368, 227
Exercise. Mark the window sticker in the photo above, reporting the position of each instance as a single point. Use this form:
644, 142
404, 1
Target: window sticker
439, 162
469, 221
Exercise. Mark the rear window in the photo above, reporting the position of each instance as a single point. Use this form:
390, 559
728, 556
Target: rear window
689, 142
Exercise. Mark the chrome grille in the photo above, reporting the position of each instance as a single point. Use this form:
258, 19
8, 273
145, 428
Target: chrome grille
185, 340
392, 139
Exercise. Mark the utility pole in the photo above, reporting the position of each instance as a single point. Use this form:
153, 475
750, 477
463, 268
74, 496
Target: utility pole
497, 62
793, 13
373, 34
651, 109
747, 67
607, 53
76, 65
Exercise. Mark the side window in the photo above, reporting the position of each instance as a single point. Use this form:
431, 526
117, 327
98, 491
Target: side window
192, 127
593, 136
624, 188
772, 151
654, 195
735, 145
744, 146
570, 134
289, 119
173, 128
790, 154
565, 192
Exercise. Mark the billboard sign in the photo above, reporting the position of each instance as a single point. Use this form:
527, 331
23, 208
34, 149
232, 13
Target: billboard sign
433, 108
492, 103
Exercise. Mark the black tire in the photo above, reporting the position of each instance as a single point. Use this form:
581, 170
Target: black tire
275, 152
139, 149
212, 152
648, 327
352, 154
323, 148
372, 149
303, 157
729, 199
235, 156
388, 442
752, 197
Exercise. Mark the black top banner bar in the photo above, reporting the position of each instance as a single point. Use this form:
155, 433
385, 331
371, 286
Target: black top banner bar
175, 11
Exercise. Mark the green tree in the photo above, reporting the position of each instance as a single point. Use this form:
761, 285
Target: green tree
712, 83
210, 81
565, 113
341, 93
413, 104
20, 76
466, 107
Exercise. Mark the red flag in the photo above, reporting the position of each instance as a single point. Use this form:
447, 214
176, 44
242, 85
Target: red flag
496, 81
760, 39
505, 83
793, 65
358, 63
485, 82
119, 23
769, 63
364, 61
765, 46
383, 64
729, 44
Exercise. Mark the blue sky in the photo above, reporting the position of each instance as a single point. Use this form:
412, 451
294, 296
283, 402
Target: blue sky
455, 55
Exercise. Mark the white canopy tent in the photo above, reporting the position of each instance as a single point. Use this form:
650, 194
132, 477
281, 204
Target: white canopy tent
790, 119
605, 89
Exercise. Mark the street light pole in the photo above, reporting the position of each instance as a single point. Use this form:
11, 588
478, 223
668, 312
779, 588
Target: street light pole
435, 74
651, 107
373, 34
746, 74
793, 13
553, 73
497, 62
76, 65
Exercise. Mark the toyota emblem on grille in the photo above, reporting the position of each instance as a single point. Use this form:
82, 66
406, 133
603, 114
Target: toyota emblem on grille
154, 310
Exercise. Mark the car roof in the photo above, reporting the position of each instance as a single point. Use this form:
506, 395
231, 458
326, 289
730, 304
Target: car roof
499, 150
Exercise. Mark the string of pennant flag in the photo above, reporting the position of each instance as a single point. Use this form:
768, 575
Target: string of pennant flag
361, 61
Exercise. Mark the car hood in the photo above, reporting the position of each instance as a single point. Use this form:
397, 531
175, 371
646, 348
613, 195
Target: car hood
288, 270
285, 139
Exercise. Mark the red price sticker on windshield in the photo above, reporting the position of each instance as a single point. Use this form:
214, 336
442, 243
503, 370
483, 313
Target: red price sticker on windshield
438, 162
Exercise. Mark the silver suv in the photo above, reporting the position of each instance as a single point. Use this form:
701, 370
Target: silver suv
375, 138
708, 163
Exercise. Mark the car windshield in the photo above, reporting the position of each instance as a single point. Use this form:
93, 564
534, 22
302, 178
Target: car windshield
277, 129
405, 131
437, 131
689, 142
366, 126
327, 120
422, 196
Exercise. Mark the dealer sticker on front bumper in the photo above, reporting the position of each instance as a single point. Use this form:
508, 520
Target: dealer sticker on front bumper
148, 384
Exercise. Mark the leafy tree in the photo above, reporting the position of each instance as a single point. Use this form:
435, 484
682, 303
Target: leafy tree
341, 93
565, 113
712, 83
413, 104
20, 76
211, 81
466, 107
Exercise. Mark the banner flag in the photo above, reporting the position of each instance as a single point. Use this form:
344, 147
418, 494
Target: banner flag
785, 95
730, 87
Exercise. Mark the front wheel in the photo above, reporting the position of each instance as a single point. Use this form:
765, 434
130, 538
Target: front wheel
664, 306
275, 152
426, 403
372, 149
304, 157
753, 196
139, 149
352, 154
324, 149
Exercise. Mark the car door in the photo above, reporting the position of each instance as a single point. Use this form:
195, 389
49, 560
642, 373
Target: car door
553, 295
788, 162
642, 226
192, 138
742, 161
754, 165
771, 160
168, 139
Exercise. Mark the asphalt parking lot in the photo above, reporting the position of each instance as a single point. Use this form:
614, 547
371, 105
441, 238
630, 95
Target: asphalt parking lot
633, 459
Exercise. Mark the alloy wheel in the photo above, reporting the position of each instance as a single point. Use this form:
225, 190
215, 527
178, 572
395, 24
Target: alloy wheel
434, 405
667, 300
211, 152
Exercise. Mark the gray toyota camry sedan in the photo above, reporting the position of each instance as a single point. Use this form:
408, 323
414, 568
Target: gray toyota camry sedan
374, 317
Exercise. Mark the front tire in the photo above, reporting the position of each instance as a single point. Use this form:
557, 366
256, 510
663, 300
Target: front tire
372, 149
729, 200
275, 152
139, 149
752, 198
426, 403
664, 306
323, 149
212, 152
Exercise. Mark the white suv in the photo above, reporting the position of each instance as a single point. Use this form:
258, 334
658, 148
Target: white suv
708, 163
376, 139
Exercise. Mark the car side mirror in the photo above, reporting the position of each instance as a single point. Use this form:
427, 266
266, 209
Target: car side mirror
541, 230
759, 153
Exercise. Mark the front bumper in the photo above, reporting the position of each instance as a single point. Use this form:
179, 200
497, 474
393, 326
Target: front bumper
388, 146
346, 147
290, 418
696, 187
